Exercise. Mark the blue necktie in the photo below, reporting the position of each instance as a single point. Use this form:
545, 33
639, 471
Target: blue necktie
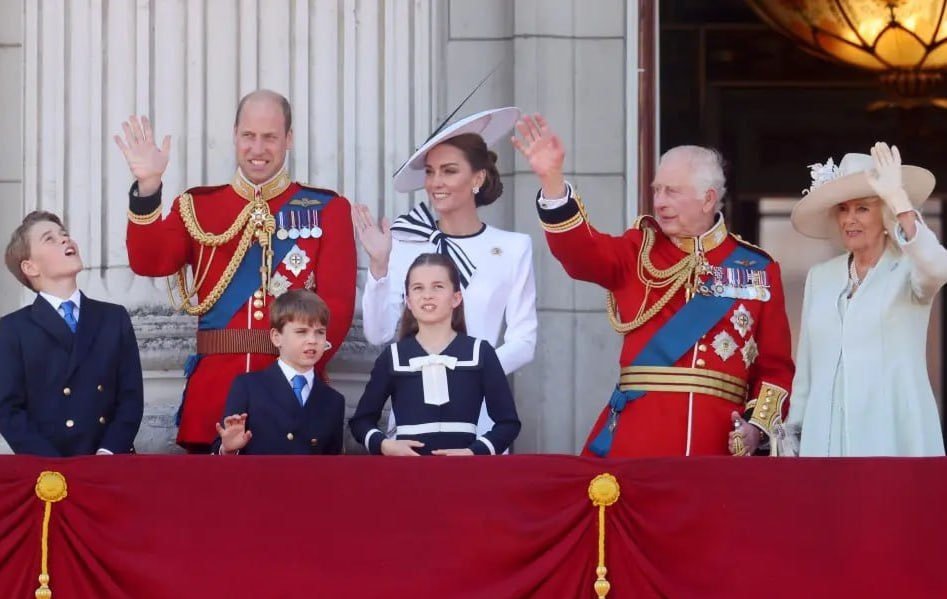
67, 314
299, 381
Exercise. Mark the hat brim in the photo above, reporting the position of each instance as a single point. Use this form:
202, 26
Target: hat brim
812, 215
492, 125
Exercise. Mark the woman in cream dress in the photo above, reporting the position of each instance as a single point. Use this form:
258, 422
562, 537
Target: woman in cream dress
861, 386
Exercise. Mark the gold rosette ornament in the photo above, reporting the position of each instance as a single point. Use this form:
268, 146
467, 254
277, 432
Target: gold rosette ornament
50, 488
603, 491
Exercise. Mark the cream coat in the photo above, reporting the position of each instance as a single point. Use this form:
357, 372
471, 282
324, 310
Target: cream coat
889, 407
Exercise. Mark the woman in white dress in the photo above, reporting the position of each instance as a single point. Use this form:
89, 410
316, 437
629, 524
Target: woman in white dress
861, 386
458, 171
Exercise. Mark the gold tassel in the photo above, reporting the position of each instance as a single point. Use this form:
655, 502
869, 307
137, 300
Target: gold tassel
603, 491
50, 488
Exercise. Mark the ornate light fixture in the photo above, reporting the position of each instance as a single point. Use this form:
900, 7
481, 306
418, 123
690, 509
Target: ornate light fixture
904, 41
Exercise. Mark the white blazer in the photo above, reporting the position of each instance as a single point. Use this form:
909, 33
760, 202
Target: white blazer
889, 408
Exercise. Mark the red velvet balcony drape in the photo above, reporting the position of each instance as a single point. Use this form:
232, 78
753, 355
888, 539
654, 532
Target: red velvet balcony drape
455, 528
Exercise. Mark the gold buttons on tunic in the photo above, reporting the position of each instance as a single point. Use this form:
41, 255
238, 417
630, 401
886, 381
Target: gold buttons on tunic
701, 347
258, 294
70, 423
700, 363
258, 315
290, 436
101, 419
99, 388
257, 303
67, 391
313, 442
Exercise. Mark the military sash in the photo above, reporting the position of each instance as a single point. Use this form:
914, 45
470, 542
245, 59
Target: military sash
674, 339
246, 279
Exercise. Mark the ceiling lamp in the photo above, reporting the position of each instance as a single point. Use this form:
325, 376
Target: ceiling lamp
902, 40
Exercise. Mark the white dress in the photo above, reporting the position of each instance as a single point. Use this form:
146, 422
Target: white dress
861, 386
501, 291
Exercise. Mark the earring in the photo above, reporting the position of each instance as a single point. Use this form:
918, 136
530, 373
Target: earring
476, 190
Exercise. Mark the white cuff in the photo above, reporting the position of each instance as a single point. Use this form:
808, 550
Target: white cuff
489, 445
103, 451
553, 203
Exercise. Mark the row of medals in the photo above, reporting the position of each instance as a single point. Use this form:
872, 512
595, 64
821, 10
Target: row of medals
298, 230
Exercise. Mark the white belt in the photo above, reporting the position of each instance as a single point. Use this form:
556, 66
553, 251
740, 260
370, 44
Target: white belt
436, 427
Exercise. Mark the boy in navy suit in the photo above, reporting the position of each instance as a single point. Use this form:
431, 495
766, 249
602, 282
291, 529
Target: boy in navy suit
70, 373
285, 409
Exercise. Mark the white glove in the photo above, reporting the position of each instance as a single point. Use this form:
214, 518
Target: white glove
885, 179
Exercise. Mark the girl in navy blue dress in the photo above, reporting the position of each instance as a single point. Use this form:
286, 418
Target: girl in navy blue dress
436, 376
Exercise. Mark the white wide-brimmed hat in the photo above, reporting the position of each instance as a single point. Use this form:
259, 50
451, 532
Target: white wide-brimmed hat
832, 185
492, 125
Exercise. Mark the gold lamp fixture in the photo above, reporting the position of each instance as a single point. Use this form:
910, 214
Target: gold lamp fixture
904, 41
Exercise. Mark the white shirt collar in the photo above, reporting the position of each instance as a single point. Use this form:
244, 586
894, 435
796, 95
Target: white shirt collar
289, 372
56, 302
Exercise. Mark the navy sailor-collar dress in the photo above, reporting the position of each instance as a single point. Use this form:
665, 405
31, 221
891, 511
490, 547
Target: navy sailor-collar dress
436, 397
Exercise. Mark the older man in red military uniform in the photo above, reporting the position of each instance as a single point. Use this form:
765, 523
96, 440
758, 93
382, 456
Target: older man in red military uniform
246, 243
706, 365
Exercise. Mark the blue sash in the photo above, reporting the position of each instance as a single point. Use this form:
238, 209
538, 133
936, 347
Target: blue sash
672, 341
246, 279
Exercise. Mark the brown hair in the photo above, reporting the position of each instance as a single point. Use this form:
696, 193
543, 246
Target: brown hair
18, 249
261, 94
300, 305
480, 159
409, 324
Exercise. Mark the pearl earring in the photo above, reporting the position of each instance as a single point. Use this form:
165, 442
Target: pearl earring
476, 190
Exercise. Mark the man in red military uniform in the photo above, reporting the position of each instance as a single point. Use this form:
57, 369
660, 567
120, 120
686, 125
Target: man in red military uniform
706, 364
246, 243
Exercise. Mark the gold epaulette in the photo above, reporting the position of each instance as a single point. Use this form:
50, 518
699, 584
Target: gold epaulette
752, 246
644, 221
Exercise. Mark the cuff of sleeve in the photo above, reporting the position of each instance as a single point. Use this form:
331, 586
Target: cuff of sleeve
143, 210
371, 282
483, 446
899, 231
768, 409
103, 451
562, 218
373, 441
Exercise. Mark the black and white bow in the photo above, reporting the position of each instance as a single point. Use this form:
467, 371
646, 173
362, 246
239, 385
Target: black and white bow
419, 225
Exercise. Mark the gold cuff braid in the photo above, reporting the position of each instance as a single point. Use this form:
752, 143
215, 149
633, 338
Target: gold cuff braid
768, 409
570, 223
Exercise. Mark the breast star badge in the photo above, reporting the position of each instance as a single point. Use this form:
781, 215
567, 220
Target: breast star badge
742, 320
724, 345
750, 352
278, 285
296, 260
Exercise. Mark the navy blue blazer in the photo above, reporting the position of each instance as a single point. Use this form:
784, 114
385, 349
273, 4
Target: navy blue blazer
281, 426
65, 393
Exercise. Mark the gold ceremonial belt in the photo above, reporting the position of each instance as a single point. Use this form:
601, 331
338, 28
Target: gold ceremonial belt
235, 341
686, 380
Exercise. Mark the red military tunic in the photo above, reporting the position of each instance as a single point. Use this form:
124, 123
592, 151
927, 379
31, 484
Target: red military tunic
233, 334
742, 363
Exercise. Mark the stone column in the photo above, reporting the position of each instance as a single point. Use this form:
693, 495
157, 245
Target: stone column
575, 62
362, 76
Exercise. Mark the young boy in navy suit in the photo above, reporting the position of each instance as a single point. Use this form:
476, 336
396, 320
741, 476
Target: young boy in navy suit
70, 373
285, 409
